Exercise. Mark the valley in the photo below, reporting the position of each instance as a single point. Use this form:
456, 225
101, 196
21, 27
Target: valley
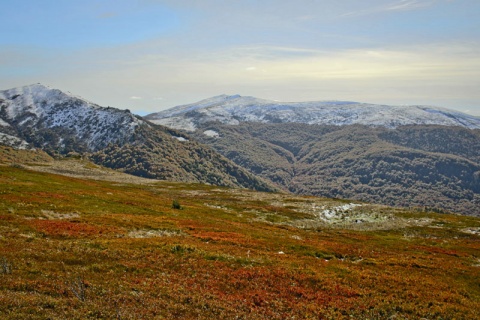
412, 166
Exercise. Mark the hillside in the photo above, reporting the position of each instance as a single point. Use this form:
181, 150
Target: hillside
237, 109
60, 123
412, 166
81, 249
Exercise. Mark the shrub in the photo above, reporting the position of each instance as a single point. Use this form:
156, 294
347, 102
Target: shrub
78, 287
176, 205
5, 266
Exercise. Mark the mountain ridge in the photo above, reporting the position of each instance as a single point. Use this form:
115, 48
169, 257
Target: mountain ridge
235, 109
436, 166
35, 109
38, 116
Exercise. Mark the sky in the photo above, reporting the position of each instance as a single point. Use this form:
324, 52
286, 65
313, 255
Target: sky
150, 55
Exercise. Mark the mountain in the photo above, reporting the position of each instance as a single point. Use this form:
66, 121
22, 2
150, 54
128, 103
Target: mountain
60, 123
235, 109
402, 156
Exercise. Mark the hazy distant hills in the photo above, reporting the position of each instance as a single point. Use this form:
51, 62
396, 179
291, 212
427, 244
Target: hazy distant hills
406, 156
235, 109
61, 123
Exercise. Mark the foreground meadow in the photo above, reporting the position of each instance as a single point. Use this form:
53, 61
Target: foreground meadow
74, 248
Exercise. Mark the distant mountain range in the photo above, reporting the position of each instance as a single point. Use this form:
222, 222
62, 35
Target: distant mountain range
236, 109
60, 123
405, 156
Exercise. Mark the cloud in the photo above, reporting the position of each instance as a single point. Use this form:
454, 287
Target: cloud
278, 63
405, 5
135, 98
428, 74
401, 5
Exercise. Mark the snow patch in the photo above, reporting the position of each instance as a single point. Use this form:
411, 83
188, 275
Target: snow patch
3, 123
471, 230
176, 123
211, 133
13, 142
337, 212
182, 139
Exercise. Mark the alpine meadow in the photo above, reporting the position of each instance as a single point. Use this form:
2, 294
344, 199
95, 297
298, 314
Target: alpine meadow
249, 160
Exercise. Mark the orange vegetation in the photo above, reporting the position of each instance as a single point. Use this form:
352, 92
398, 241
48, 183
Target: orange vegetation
100, 250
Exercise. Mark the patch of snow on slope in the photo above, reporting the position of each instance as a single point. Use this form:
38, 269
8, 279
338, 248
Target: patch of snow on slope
337, 212
176, 123
3, 123
14, 142
211, 133
181, 139
218, 100
348, 214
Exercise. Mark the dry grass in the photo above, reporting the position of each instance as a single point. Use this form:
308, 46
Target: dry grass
84, 249
87, 170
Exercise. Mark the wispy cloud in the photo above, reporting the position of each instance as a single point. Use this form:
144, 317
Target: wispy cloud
401, 5
135, 98
406, 5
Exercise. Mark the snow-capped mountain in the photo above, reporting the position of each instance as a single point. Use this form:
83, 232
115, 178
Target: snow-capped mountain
37, 116
235, 109
398, 155
32, 111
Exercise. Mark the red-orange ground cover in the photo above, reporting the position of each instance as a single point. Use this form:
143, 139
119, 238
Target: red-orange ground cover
141, 259
71, 229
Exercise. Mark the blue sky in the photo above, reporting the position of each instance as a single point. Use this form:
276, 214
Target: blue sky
148, 55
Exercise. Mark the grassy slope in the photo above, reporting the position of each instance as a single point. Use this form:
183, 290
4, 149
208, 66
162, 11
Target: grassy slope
11, 155
229, 253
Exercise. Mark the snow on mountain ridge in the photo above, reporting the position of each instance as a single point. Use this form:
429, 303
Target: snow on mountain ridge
38, 107
235, 109
28, 97
217, 100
